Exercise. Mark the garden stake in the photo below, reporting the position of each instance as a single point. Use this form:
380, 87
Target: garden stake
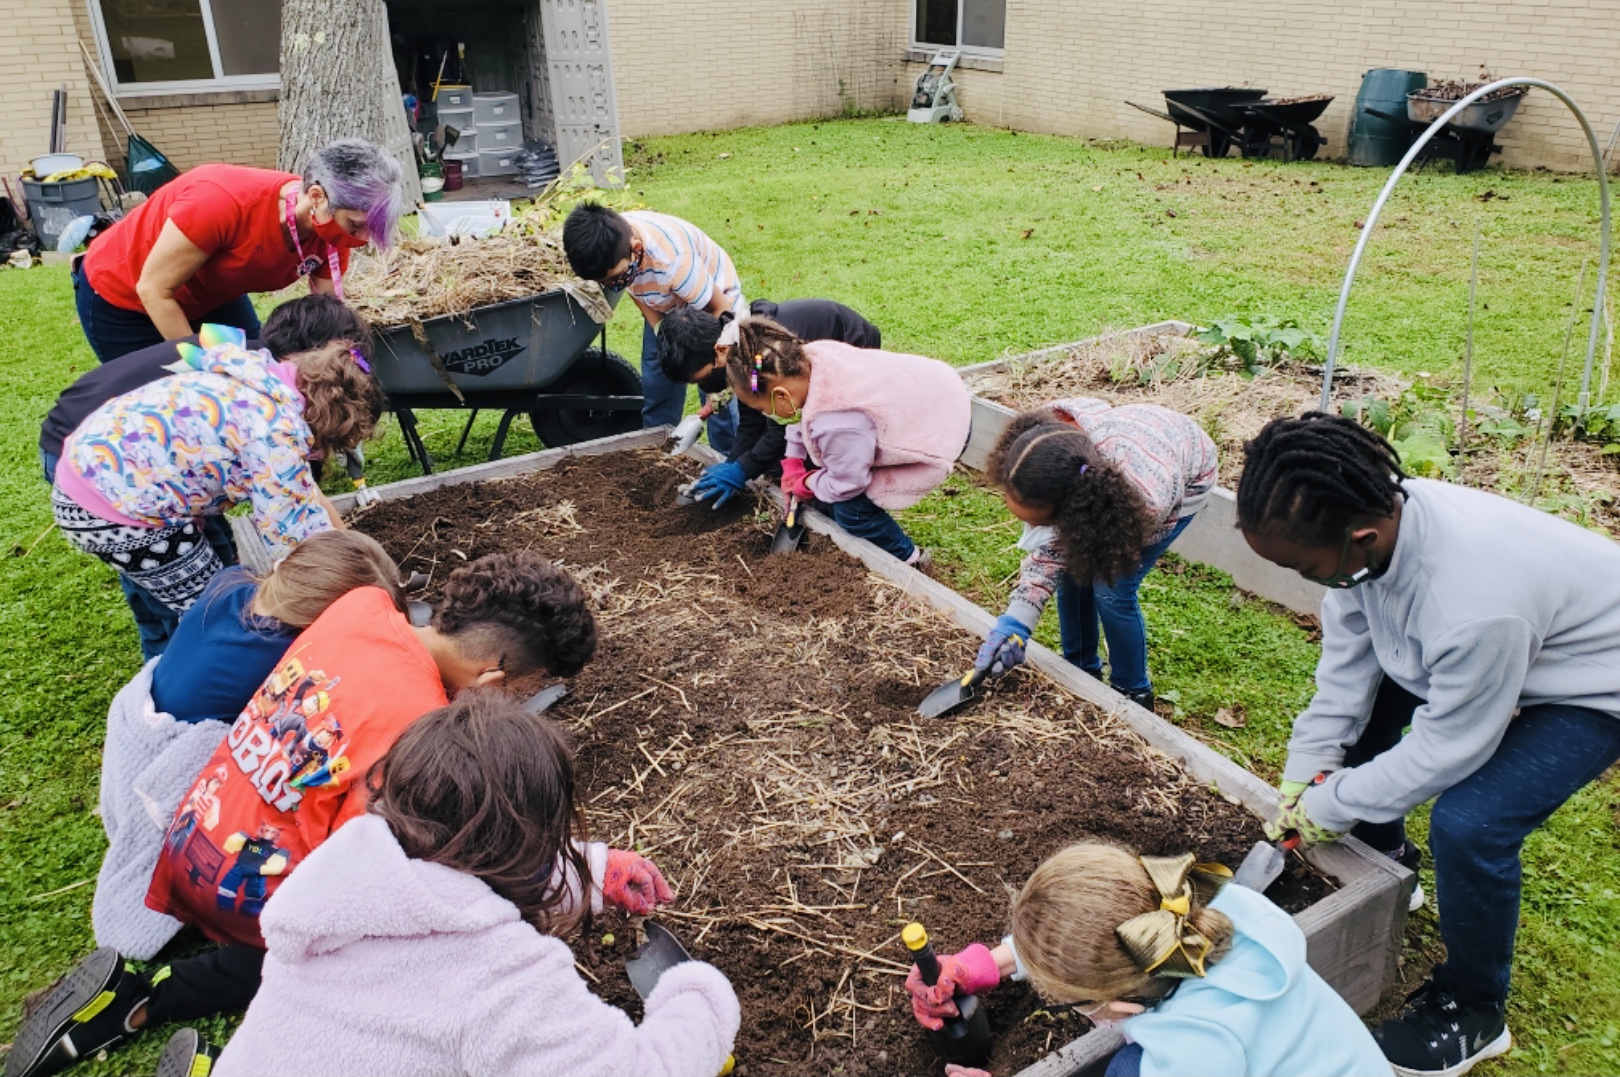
1558, 385
965, 1038
1468, 348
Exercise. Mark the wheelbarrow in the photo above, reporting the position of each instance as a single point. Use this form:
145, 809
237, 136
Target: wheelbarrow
1469, 140
542, 356
1283, 123
1210, 116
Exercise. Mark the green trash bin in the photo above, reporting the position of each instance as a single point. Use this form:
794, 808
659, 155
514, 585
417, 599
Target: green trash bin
1373, 139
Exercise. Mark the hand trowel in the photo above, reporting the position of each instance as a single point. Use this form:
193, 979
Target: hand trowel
789, 534
1265, 863
661, 952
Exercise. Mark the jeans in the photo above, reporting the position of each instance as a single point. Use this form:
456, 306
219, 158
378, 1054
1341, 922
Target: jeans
864, 519
1127, 1062
154, 622
1117, 607
1478, 826
665, 401
221, 980
113, 331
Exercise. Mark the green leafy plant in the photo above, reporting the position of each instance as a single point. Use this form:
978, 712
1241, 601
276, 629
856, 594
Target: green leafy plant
1597, 424
1418, 424
1259, 341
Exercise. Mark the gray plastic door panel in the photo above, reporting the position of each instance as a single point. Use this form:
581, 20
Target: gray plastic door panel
581, 67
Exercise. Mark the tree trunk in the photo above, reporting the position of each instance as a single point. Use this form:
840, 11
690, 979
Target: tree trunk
338, 81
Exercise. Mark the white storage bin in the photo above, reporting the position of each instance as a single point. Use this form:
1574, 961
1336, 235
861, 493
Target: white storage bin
495, 107
454, 97
459, 118
470, 163
477, 219
466, 141
500, 136
497, 162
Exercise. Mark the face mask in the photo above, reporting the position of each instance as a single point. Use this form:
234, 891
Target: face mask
333, 235
1034, 538
620, 281
1103, 1015
714, 381
1342, 580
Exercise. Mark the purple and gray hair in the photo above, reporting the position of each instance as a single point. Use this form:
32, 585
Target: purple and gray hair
358, 175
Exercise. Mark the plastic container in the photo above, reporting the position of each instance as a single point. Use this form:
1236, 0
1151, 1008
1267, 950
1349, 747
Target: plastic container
51, 163
500, 136
496, 107
459, 118
468, 161
54, 206
1375, 141
453, 173
465, 218
453, 97
498, 162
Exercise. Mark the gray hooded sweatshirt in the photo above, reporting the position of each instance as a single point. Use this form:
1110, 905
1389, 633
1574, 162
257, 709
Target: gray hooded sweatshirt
1488, 606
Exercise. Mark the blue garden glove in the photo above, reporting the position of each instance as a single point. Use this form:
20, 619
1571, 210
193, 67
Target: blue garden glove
719, 481
1003, 649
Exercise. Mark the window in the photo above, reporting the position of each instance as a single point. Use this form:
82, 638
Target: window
187, 45
975, 26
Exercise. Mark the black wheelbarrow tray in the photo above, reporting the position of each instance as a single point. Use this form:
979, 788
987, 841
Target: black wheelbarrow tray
533, 356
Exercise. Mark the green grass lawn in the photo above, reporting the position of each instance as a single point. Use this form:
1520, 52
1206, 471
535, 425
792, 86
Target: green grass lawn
966, 244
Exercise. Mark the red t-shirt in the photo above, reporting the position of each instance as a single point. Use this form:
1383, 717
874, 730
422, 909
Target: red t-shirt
234, 213
292, 768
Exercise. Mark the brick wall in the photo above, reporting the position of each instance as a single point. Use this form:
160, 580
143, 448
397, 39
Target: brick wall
715, 65
39, 51
191, 135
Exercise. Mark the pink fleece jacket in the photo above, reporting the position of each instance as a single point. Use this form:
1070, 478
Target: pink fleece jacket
383, 964
919, 408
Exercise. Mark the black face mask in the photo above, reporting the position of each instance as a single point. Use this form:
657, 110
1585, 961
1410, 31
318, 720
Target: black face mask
714, 381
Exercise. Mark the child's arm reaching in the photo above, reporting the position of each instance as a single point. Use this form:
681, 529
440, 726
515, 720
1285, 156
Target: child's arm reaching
974, 971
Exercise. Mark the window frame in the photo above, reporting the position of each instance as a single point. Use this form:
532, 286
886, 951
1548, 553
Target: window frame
264, 81
981, 51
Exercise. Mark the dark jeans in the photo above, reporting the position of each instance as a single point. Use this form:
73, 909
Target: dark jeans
664, 401
154, 621
222, 980
1478, 826
1127, 1062
1117, 607
864, 519
113, 331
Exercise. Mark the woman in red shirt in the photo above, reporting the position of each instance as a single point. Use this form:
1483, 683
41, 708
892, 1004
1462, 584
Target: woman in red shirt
194, 251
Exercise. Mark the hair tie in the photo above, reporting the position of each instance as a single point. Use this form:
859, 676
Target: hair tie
1083, 468
359, 360
1162, 942
753, 375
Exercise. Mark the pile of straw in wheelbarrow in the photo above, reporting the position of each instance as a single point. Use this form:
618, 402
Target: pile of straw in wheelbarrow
422, 278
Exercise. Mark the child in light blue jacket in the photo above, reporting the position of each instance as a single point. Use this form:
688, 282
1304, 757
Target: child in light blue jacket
1200, 977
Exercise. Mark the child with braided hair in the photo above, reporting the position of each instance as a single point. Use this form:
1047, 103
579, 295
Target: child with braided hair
1200, 976
1102, 492
867, 431
1470, 653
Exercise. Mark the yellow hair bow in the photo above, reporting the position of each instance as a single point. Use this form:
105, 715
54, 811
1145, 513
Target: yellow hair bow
1162, 942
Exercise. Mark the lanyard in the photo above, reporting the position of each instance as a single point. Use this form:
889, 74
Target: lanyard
307, 266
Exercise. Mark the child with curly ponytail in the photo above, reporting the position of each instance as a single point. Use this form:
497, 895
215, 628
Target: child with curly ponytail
1103, 492
1201, 976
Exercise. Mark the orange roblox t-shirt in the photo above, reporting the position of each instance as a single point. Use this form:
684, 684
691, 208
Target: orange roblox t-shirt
292, 768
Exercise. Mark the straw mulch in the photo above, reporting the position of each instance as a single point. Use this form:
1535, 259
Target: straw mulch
423, 278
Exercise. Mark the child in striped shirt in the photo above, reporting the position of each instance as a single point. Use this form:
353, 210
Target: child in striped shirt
1103, 492
665, 263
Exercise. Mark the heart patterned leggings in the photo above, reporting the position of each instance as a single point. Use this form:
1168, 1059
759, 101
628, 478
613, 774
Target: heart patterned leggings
174, 563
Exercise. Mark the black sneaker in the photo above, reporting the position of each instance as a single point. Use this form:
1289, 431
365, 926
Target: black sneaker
187, 1054
84, 1012
1438, 1036
1410, 857
1142, 697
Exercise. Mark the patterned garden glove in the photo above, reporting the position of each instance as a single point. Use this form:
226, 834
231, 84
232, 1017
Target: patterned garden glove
685, 434
1293, 819
721, 482
796, 479
1003, 648
971, 972
632, 883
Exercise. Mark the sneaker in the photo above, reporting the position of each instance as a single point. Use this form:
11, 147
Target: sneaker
1142, 697
84, 1012
187, 1054
1410, 857
921, 559
1438, 1036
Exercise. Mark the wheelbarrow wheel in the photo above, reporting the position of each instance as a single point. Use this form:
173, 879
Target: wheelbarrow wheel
597, 373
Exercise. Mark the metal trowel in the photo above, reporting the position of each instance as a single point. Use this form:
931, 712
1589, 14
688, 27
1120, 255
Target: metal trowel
952, 694
1265, 863
789, 534
661, 952
543, 700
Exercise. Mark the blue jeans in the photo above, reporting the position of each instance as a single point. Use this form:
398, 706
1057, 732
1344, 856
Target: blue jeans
1117, 607
864, 519
1127, 1062
113, 331
155, 623
664, 401
1478, 826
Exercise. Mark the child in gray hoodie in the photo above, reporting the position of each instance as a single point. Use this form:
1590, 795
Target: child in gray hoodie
1490, 629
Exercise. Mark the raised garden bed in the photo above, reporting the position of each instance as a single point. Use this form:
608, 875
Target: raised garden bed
750, 723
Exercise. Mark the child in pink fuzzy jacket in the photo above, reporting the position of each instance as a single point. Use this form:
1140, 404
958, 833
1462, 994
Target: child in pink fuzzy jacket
423, 937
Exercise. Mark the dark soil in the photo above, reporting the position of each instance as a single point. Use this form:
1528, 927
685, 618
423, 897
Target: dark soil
750, 723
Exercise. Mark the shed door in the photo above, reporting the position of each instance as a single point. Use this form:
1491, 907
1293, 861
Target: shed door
581, 68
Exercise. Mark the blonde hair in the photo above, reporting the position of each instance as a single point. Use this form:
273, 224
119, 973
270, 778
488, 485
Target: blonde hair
342, 400
319, 571
1065, 925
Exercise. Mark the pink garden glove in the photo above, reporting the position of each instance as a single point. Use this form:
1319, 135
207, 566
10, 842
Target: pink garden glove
796, 479
633, 883
971, 972
953, 1070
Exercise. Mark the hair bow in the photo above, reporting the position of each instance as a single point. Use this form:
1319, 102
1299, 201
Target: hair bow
1162, 942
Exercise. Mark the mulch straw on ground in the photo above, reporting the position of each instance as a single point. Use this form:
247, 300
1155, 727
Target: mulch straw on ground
750, 723
424, 278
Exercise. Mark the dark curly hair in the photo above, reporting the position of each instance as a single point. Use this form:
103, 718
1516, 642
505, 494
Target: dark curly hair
342, 402
686, 340
312, 321
767, 348
1101, 519
525, 609
485, 788
1317, 476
